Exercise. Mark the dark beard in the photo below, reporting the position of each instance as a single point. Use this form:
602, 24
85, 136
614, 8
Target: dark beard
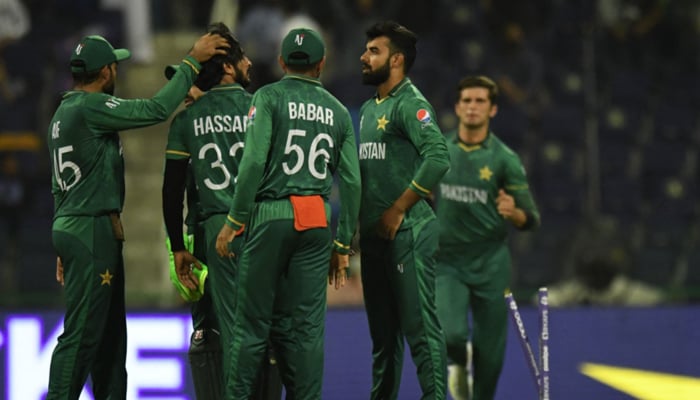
376, 78
241, 78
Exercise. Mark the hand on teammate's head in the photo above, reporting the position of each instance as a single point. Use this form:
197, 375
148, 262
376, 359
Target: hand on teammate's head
207, 46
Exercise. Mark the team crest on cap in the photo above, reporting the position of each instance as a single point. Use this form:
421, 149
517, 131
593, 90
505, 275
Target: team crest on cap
79, 48
251, 114
299, 39
423, 116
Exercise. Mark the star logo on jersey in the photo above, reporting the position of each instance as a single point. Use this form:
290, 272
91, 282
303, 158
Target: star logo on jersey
382, 122
485, 173
106, 278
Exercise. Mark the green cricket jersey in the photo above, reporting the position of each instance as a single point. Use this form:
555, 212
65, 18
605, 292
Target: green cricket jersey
401, 147
299, 135
84, 146
466, 199
211, 133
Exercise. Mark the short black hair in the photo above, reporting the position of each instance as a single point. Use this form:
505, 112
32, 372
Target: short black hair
213, 69
401, 40
479, 81
83, 78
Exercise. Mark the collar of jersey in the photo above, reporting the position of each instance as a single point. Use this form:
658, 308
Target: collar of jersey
471, 147
227, 86
301, 77
405, 81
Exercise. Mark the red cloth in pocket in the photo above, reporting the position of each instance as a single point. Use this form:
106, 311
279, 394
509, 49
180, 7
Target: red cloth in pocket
309, 212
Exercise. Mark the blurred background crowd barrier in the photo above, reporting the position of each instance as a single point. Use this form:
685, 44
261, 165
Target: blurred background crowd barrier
600, 100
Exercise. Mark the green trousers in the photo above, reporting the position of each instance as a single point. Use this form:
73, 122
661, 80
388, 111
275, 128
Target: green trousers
221, 281
202, 311
93, 341
281, 295
398, 279
472, 279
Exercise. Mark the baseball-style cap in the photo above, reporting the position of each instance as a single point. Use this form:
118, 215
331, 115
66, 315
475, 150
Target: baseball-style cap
302, 46
94, 52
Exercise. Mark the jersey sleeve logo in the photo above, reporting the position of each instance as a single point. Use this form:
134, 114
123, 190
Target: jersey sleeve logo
423, 116
251, 114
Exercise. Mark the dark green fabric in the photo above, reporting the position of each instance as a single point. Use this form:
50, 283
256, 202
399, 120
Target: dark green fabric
473, 281
210, 133
222, 280
203, 314
299, 136
401, 147
474, 265
84, 146
466, 199
94, 333
281, 294
398, 279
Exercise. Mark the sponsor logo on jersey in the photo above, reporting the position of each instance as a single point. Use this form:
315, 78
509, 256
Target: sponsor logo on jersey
251, 114
423, 116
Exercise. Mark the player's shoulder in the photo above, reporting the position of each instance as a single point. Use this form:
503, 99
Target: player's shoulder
95, 100
503, 148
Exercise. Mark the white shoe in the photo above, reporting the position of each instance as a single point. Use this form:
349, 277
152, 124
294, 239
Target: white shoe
457, 382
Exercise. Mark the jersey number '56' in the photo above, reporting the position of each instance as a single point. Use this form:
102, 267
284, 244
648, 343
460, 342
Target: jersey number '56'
314, 153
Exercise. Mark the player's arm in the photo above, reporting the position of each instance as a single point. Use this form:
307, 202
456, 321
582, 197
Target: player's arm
515, 201
177, 159
431, 145
109, 113
174, 179
250, 172
349, 186
257, 145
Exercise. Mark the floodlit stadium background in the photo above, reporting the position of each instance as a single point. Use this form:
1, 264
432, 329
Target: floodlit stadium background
600, 101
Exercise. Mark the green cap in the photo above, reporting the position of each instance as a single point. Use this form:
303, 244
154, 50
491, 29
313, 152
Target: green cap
302, 46
94, 52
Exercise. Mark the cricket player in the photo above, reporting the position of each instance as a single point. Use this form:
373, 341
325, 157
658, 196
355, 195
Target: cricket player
484, 192
207, 137
298, 137
402, 157
88, 189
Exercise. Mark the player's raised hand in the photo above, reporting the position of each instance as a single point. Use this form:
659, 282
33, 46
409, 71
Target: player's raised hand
208, 46
505, 204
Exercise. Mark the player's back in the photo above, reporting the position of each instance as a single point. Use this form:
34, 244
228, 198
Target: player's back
308, 126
